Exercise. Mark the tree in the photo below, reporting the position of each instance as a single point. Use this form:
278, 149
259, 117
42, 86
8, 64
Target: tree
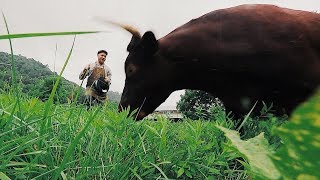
114, 96
196, 104
46, 87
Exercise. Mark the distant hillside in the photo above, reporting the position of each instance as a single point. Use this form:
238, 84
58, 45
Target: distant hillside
36, 79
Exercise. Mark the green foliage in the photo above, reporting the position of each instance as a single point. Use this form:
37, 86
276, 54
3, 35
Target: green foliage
31, 74
256, 152
114, 96
104, 144
46, 87
297, 158
255, 125
195, 104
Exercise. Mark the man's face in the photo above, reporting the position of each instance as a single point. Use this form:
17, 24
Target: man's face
101, 58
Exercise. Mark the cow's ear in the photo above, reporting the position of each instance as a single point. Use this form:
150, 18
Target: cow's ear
149, 43
133, 43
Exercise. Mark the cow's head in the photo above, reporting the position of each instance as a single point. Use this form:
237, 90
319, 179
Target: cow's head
147, 84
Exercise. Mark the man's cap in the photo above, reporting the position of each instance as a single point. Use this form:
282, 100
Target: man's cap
103, 51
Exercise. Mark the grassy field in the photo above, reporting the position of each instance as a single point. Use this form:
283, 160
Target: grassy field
71, 142
67, 141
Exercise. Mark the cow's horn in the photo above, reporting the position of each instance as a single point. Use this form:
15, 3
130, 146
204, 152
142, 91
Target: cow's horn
131, 29
128, 28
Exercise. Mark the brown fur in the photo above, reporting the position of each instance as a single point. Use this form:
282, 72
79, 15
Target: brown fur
248, 52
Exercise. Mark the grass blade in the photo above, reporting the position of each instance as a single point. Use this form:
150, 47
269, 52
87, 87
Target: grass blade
73, 144
135, 173
54, 89
27, 35
3, 176
160, 170
247, 116
14, 74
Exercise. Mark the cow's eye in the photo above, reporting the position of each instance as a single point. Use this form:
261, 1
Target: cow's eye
130, 72
131, 69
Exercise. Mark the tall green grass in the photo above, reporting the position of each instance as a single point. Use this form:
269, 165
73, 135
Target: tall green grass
104, 144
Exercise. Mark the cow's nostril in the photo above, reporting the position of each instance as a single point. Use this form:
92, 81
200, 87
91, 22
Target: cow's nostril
141, 115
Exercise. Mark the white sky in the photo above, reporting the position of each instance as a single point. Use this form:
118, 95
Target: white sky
160, 16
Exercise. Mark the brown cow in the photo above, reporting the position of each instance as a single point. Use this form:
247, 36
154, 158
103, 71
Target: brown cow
246, 53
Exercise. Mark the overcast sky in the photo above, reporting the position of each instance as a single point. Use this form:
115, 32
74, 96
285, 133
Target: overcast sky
160, 16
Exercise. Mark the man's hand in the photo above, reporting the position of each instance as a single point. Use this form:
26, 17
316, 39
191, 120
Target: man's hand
87, 67
84, 72
107, 80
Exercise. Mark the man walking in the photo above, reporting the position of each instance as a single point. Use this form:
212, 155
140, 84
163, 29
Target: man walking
99, 79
